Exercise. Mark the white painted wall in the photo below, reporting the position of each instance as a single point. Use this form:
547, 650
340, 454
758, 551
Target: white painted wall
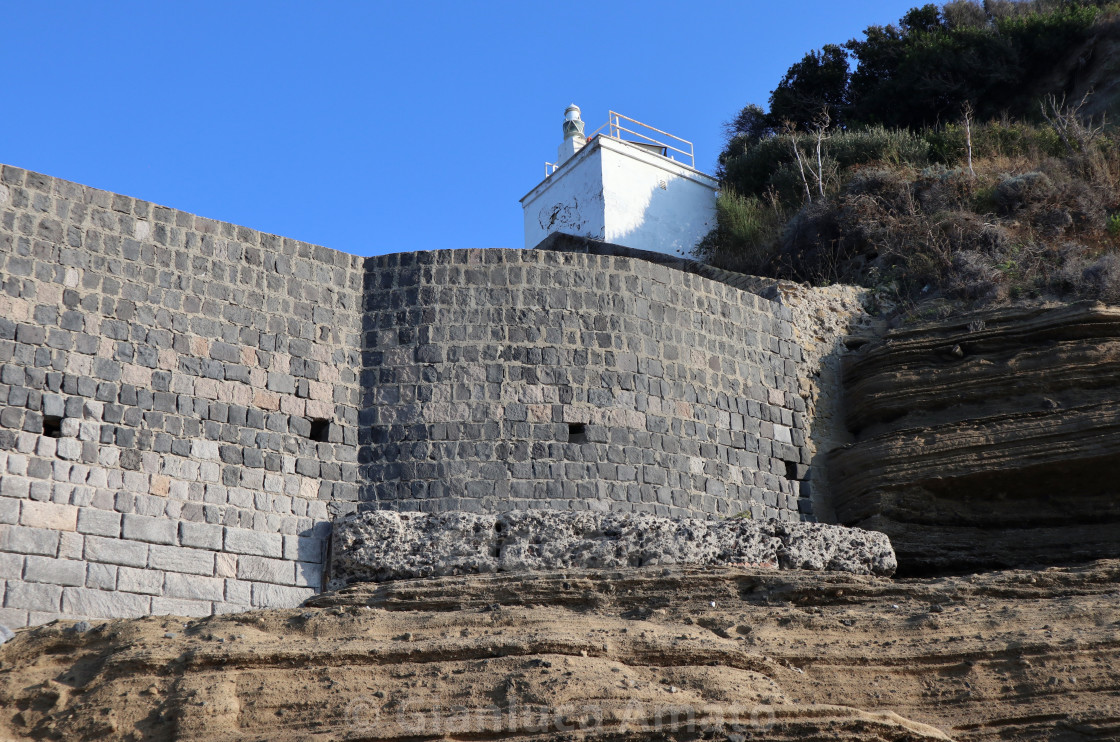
614, 191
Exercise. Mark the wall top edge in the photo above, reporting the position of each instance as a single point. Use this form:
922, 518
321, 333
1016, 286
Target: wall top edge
10, 175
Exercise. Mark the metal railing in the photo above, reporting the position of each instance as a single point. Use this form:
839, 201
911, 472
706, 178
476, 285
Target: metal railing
614, 129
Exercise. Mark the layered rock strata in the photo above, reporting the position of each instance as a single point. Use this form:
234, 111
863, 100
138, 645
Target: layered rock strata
657, 653
385, 545
993, 440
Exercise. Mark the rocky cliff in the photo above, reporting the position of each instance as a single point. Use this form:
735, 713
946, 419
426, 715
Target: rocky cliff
631, 654
988, 441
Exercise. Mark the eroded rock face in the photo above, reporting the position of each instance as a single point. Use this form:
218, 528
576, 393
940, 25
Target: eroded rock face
654, 653
384, 545
990, 441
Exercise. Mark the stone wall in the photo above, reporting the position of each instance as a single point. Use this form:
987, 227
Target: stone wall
178, 407
184, 402
514, 379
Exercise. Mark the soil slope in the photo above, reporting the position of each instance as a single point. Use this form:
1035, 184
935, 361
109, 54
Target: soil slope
645, 653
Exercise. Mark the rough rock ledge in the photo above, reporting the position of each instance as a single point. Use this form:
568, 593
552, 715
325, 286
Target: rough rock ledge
381, 545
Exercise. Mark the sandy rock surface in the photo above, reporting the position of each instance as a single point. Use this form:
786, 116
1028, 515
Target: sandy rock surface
638, 654
383, 545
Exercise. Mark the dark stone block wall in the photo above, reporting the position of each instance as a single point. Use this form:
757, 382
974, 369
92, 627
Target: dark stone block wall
178, 407
510, 379
185, 403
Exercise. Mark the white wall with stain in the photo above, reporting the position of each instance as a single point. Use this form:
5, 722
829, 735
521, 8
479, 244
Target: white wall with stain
621, 193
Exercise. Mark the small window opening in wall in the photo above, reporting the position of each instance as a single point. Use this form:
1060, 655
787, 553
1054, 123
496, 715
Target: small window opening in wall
320, 430
791, 470
52, 426
577, 433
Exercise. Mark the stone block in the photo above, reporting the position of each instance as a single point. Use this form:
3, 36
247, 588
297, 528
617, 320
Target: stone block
181, 559
101, 576
200, 535
55, 571
48, 515
99, 522
79, 601
143, 581
11, 566
242, 541
116, 551
263, 569
31, 596
150, 529
279, 596
304, 549
193, 587
9, 511
24, 540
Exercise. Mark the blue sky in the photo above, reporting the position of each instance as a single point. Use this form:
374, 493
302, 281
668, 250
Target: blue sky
377, 127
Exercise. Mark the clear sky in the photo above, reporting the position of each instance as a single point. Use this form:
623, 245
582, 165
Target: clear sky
377, 127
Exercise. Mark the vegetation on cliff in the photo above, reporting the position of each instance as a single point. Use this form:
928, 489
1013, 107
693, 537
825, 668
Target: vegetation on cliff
968, 157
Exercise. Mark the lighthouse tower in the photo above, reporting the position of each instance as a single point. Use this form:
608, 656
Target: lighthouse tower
627, 183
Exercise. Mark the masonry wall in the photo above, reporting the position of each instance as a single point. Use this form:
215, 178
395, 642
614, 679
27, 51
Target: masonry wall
178, 407
513, 379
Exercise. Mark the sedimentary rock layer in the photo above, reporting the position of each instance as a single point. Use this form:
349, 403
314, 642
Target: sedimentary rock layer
633, 654
992, 440
383, 545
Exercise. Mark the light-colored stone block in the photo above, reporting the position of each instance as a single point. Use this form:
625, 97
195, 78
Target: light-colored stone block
13, 485
33, 596
181, 559
263, 569
200, 535
14, 618
225, 565
80, 601
54, 571
149, 528
279, 596
48, 515
309, 574
11, 566
144, 581
116, 551
23, 540
304, 549
101, 576
99, 522
9, 511
193, 587
239, 593
242, 541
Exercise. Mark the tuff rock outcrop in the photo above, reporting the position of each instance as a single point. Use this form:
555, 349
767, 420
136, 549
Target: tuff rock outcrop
383, 545
988, 441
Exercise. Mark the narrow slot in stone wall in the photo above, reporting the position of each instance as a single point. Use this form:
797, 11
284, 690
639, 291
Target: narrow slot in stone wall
481, 366
178, 407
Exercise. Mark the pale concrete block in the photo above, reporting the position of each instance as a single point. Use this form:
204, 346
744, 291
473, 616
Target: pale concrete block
204, 449
174, 607
33, 597
101, 576
143, 581
148, 528
200, 535
309, 574
23, 540
49, 515
9, 511
69, 449
225, 565
116, 551
303, 548
70, 545
262, 569
279, 596
80, 601
11, 566
99, 522
193, 587
181, 559
239, 593
242, 541
54, 571
223, 608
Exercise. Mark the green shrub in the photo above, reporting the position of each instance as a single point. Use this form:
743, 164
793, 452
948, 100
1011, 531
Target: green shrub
879, 145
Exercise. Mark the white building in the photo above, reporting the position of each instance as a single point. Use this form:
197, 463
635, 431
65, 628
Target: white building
628, 184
